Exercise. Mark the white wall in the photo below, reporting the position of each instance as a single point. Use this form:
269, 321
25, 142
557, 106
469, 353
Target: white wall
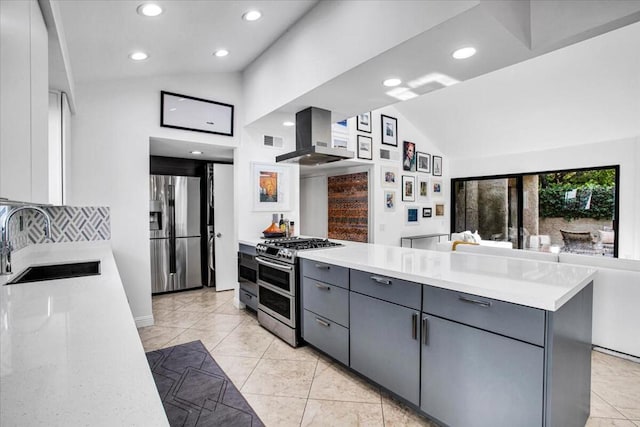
110, 160
342, 34
390, 226
251, 223
386, 227
625, 153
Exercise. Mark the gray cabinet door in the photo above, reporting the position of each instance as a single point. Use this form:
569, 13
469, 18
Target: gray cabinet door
385, 345
471, 377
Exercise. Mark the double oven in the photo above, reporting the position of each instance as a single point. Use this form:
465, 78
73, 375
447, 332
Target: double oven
277, 298
278, 284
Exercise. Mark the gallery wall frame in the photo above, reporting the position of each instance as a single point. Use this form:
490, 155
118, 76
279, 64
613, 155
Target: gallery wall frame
389, 176
411, 215
408, 188
365, 147
195, 114
437, 166
409, 156
423, 188
389, 130
423, 162
389, 201
271, 187
426, 212
437, 188
363, 122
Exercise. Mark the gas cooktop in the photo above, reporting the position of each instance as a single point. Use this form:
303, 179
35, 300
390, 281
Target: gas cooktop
285, 249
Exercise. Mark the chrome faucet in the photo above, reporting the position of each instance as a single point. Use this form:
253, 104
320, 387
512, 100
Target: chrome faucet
5, 241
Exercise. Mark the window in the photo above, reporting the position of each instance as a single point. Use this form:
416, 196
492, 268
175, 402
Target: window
567, 211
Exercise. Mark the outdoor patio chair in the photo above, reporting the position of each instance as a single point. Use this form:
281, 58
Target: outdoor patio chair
577, 241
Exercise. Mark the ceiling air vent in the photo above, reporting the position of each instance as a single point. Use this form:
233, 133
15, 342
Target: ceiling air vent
272, 141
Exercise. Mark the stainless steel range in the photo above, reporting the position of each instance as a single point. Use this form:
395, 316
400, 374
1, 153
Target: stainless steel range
278, 284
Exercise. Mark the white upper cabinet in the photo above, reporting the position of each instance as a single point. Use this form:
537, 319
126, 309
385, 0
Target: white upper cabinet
24, 84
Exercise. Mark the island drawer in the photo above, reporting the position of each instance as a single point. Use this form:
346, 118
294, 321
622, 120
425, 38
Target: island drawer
326, 300
387, 288
512, 320
328, 273
327, 336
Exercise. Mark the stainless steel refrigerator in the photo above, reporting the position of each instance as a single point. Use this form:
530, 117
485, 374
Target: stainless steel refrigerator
174, 222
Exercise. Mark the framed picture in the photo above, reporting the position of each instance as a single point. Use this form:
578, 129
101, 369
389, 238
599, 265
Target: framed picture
409, 156
437, 166
339, 134
439, 210
389, 130
411, 215
196, 114
271, 187
423, 162
389, 176
363, 122
426, 212
408, 188
364, 147
389, 201
436, 188
423, 188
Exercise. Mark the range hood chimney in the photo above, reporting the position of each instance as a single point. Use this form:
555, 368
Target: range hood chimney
313, 140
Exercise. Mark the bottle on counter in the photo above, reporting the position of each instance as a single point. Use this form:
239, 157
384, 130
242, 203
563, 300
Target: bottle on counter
281, 223
292, 229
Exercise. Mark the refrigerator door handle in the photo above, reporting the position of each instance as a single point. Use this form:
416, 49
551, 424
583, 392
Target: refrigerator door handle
172, 228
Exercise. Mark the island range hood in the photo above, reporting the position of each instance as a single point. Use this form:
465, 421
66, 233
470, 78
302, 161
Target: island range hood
313, 140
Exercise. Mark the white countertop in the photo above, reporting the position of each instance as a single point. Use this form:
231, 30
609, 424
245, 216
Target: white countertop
70, 353
538, 284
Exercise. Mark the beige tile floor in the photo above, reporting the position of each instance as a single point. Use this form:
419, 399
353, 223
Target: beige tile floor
300, 387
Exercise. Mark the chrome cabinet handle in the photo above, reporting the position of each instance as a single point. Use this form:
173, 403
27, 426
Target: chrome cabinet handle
381, 280
323, 323
248, 295
475, 301
323, 266
414, 326
425, 330
323, 287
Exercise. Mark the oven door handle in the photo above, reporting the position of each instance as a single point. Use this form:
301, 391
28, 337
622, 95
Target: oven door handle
276, 266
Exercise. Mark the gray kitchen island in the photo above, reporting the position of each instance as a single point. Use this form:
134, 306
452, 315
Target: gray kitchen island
468, 340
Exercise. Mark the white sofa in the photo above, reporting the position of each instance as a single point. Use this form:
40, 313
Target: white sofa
616, 293
460, 237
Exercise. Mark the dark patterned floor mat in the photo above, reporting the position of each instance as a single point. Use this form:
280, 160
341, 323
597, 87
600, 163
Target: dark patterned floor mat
195, 391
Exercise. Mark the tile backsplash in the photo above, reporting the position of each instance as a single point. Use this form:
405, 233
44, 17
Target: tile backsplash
68, 224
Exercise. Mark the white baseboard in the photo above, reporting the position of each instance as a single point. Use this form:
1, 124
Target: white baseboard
617, 354
143, 321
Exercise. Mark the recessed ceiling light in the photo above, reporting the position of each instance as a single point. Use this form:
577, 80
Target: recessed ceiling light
196, 152
149, 9
252, 15
392, 82
221, 52
138, 56
288, 124
464, 53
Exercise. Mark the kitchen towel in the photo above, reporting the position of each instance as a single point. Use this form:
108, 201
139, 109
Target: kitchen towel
195, 391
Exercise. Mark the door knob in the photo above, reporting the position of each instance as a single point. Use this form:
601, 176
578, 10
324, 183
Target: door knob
218, 235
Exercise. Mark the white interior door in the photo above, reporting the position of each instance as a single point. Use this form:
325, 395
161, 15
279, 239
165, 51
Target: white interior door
223, 222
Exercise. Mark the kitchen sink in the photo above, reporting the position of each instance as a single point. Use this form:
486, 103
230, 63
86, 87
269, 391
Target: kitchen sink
39, 273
